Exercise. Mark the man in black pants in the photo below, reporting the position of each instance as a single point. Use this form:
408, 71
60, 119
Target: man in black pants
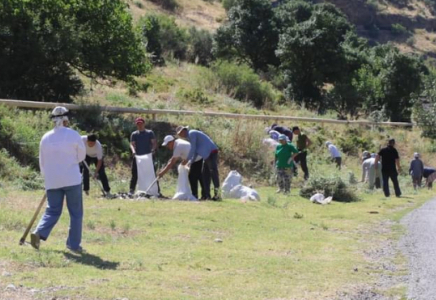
390, 161
94, 155
303, 142
142, 141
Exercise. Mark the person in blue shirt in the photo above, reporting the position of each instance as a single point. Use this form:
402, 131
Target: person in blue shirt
202, 145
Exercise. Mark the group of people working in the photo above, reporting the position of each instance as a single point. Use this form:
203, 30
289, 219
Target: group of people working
64, 154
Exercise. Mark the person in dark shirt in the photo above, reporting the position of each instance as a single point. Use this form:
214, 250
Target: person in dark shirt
429, 174
390, 162
142, 141
283, 130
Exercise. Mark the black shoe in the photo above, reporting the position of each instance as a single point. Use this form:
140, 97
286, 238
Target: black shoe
216, 198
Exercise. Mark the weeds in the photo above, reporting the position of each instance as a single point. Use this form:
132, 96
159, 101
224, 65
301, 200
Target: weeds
113, 225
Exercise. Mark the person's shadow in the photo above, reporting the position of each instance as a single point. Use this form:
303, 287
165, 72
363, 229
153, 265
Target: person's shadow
91, 260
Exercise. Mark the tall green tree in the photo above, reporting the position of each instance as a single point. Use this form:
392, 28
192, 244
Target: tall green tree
250, 35
425, 106
390, 80
310, 50
44, 43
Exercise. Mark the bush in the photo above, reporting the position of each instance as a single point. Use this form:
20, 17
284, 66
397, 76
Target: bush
242, 83
398, 29
353, 142
200, 47
228, 4
329, 186
164, 36
196, 96
170, 5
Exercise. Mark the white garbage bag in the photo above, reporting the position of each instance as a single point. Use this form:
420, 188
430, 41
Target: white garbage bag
271, 143
183, 187
319, 199
274, 135
146, 175
233, 189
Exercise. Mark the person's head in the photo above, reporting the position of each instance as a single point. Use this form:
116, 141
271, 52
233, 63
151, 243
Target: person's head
282, 139
91, 140
296, 130
366, 154
169, 142
140, 123
391, 142
416, 155
182, 131
328, 144
59, 115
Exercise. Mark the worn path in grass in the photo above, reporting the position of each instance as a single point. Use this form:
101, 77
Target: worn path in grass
419, 245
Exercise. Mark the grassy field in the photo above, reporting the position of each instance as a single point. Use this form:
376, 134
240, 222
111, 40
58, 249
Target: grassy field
279, 248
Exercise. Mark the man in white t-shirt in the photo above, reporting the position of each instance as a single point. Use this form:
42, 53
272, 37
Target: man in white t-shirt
336, 155
181, 149
94, 155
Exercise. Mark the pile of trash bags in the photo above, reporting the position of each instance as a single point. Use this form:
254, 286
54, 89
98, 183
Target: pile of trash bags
232, 188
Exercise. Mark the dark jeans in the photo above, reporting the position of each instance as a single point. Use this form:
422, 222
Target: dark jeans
195, 178
393, 175
134, 179
210, 171
338, 161
302, 159
101, 174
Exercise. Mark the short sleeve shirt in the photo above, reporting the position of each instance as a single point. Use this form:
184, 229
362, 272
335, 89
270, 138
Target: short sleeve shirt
181, 149
283, 154
142, 141
388, 156
96, 151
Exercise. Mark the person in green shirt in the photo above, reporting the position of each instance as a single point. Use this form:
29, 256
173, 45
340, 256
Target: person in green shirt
303, 142
285, 153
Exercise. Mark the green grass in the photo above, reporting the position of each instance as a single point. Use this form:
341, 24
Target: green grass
280, 247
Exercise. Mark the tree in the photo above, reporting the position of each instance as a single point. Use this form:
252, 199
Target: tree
250, 34
310, 50
390, 80
44, 43
425, 107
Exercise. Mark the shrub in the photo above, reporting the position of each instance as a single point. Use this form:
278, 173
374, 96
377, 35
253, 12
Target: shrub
398, 29
200, 46
170, 5
353, 142
228, 4
163, 36
242, 83
329, 186
196, 95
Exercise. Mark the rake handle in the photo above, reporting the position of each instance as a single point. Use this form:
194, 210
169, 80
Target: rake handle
35, 215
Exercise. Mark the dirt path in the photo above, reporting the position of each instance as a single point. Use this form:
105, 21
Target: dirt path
419, 246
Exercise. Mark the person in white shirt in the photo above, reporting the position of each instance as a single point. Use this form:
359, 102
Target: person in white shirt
94, 155
336, 155
60, 152
181, 149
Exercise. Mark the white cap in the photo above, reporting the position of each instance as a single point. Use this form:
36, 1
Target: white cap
59, 111
180, 128
328, 143
168, 139
416, 155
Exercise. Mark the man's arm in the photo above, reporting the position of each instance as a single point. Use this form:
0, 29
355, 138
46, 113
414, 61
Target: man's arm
308, 142
377, 158
193, 151
133, 147
41, 158
153, 145
397, 162
168, 167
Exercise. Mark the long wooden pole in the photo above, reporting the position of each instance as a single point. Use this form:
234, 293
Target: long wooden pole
154, 112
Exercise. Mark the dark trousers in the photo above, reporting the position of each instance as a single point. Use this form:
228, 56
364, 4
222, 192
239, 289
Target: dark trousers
338, 161
195, 178
301, 158
393, 175
101, 174
134, 179
210, 171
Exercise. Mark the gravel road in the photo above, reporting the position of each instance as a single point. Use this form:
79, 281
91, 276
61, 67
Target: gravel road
419, 246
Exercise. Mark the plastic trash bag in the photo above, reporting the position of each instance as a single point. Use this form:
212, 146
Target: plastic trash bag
271, 143
146, 175
233, 189
318, 198
183, 191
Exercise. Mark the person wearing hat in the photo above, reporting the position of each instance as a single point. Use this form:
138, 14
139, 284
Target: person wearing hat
60, 152
370, 174
284, 155
203, 146
416, 170
94, 155
181, 149
335, 154
303, 142
142, 141
282, 130
390, 162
